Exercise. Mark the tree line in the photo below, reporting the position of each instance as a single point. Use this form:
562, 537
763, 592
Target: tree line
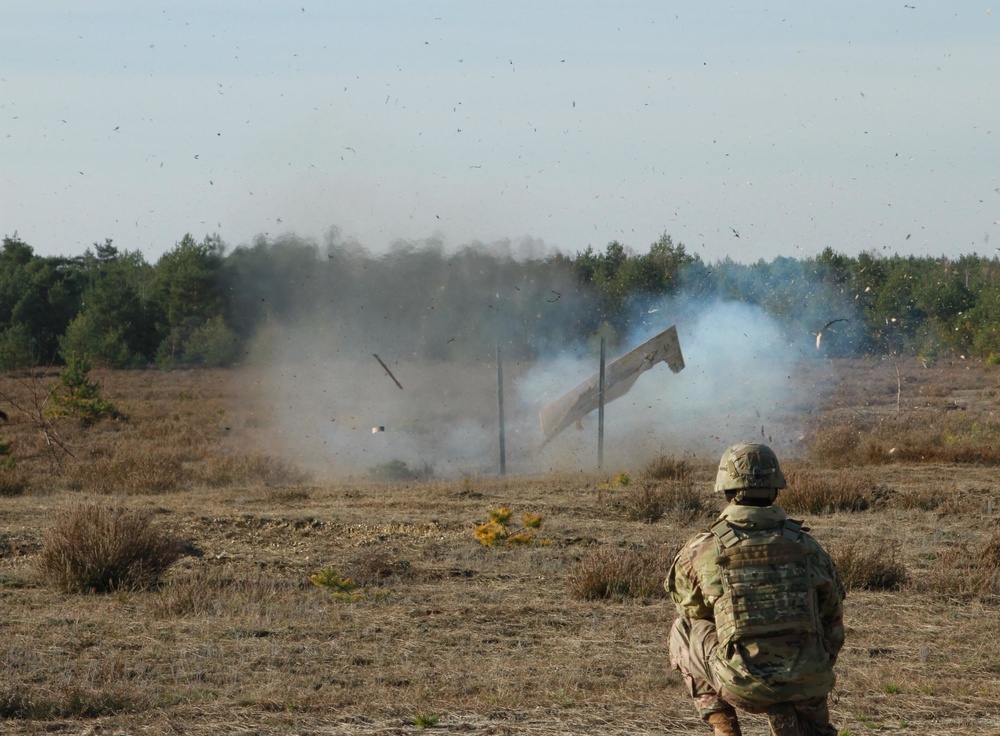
202, 304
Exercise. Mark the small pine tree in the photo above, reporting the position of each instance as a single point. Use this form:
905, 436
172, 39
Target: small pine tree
498, 531
77, 395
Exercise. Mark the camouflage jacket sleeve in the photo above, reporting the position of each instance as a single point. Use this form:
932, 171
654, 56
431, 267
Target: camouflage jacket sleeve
683, 584
830, 594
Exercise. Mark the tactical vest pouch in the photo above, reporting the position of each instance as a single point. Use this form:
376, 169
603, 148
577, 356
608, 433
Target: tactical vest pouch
766, 585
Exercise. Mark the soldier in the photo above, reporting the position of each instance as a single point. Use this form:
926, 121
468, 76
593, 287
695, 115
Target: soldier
761, 608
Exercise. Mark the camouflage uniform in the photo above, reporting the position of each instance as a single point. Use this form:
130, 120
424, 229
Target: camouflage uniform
763, 665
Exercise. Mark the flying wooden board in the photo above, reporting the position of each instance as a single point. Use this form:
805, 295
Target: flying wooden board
619, 377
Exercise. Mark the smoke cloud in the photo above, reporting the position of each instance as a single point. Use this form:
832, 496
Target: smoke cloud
436, 318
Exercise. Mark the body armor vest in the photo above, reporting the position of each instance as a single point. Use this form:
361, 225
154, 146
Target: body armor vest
767, 590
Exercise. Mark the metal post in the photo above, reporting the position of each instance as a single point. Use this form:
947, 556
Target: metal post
503, 449
600, 413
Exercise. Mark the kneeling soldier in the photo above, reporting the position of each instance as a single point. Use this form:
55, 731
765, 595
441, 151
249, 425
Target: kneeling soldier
761, 608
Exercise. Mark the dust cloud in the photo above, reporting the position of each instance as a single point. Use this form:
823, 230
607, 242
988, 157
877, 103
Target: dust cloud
436, 318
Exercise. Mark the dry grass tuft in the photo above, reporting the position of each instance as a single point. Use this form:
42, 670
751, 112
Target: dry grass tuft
27, 703
871, 564
252, 468
286, 495
834, 444
196, 595
616, 574
396, 470
13, 482
964, 571
218, 593
667, 467
135, 472
809, 492
98, 548
650, 502
377, 566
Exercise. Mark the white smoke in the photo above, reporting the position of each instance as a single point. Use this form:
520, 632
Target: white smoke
325, 392
742, 380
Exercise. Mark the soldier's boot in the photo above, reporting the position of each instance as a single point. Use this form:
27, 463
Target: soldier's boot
724, 723
784, 721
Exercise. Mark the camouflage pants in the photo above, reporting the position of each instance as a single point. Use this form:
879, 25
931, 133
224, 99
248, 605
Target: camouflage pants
692, 646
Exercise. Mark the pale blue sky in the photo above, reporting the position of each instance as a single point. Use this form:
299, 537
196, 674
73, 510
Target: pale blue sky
858, 125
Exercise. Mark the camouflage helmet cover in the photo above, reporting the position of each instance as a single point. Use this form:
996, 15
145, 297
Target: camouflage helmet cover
749, 465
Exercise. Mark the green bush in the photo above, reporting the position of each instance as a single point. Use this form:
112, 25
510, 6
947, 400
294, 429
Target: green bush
86, 337
212, 344
99, 548
17, 348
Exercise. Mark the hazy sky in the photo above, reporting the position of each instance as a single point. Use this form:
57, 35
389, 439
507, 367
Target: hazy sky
856, 124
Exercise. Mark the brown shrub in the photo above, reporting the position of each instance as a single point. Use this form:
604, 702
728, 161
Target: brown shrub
834, 444
100, 548
809, 492
131, 472
966, 572
191, 596
218, 592
871, 564
666, 467
13, 482
918, 499
947, 434
946, 500
616, 574
21, 701
283, 496
650, 502
376, 566
253, 468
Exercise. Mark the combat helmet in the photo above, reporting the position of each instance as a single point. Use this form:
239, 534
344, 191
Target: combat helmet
748, 465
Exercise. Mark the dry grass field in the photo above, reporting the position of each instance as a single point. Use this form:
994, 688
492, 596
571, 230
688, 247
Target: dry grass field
897, 476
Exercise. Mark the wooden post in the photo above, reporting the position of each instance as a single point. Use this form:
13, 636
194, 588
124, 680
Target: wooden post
600, 413
503, 449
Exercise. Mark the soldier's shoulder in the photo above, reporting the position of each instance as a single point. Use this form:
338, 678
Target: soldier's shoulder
698, 540
815, 546
809, 539
697, 550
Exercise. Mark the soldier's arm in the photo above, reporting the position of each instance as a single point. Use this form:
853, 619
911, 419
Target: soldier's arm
831, 607
683, 587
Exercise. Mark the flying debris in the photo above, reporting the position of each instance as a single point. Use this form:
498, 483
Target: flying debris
819, 335
619, 377
384, 366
